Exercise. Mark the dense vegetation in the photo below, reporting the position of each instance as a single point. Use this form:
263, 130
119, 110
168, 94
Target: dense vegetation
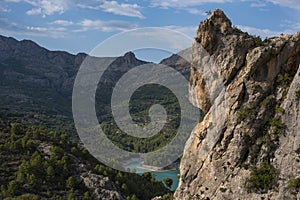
262, 178
39, 99
40, 163
36, 91
140, 103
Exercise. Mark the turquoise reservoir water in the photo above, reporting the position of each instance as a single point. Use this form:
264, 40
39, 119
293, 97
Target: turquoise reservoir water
159, 176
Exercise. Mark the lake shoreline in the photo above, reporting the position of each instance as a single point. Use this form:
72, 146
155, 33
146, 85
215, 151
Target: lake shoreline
157, 169
160, 174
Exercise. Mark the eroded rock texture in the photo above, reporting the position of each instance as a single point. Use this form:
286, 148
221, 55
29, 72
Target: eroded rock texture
250, 92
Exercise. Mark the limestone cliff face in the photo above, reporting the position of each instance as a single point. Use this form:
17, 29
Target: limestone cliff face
248, 145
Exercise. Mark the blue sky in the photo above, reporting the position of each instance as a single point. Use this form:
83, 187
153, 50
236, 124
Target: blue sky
78, 26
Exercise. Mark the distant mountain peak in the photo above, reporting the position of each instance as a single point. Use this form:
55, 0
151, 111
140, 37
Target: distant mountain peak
129, 54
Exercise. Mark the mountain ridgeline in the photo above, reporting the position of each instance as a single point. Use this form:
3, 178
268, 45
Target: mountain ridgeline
36, 85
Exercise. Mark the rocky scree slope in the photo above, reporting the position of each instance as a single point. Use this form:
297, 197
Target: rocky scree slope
248, 145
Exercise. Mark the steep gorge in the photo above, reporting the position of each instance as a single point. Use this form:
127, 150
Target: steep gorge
248, 145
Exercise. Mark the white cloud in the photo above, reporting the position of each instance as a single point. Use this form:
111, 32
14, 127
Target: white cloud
62, 22
4, 9
263, 33
49, 7
12, 28
183, 3
40, 29
129, 10
46, 7
34, 11
104, 26
15, 1
258, 4
291, 25
195, 11
180, 4
295, 4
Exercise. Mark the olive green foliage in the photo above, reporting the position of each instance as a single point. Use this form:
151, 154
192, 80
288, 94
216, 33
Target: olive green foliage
294, 183
258, 41
24, 197
168, 182
247, 113
142, 187
244, 166
223, 189
269, 102
167, 196
279, 109
140, 103
284, 79
262, 178
278, 125
26, 171
270, 127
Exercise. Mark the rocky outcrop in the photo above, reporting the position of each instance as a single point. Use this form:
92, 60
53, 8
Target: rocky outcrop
247, 146
101, 186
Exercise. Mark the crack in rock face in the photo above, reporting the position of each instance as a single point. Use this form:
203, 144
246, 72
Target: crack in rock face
249, 97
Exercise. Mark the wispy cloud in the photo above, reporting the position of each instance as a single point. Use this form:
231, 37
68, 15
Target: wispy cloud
293, 25
183, 3
130, 10
15, 1
4, 9
179, 4
264, 32
195, 11
12, 28
48, 7
294, 4
258, 4
124, 9
62, 22
104, 26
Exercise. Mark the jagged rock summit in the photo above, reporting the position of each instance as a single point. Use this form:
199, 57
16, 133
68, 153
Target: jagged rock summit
248, 145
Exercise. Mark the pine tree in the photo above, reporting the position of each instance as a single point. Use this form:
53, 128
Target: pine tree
12, 188
168, 182
3, 192
70, 183
50, 173
86, 196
